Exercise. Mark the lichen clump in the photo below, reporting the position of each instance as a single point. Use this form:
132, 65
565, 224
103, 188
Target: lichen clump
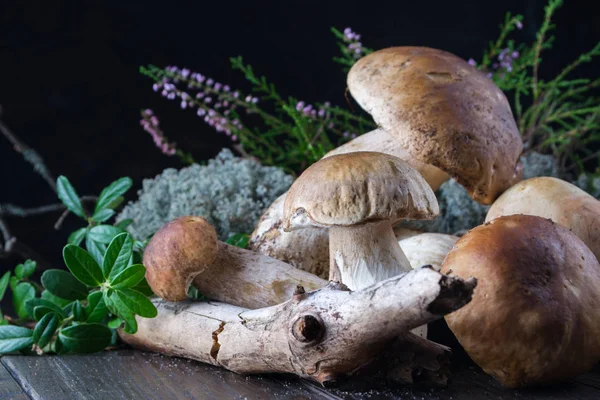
231, 193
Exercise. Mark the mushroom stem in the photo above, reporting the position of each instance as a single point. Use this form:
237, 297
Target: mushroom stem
364, 254
321, 335
251, 280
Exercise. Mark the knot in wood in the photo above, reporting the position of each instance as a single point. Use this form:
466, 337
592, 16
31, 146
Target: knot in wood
308, 328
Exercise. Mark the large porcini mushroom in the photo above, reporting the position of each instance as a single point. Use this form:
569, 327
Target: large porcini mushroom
535, 316
186, 249
427, 249
445, 113
359, 197
561, 201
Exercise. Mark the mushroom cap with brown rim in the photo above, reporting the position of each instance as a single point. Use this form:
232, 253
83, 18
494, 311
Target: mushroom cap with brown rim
180, 250
445, 113
535, 317
355, 188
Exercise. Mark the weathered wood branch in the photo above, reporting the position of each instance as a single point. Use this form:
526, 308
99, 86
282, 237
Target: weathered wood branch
322, 335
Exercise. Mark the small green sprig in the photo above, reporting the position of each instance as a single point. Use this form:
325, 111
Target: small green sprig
80, 309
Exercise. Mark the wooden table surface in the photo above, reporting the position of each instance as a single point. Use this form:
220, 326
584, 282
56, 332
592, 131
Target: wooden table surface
131, 374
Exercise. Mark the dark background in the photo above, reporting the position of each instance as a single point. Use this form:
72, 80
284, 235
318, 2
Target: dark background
70, 87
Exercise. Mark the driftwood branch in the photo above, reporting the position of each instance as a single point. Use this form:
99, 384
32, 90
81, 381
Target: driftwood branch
322, 335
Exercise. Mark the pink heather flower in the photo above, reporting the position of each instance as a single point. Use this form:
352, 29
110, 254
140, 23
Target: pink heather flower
200, 95
209, 82
248, 99
236, 95
321, 112
183, 105
226, 88
519, 25
171, 96
154, 121
346, 134
218, 86
185, 72
300, 106
201, 112
156, 87
472, 62
151, 126
207, 100
489, 75
255, 100
148, 112
234, 138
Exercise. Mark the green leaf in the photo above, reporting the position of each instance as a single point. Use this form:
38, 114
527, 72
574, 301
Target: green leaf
45, 329
117, 255
144, 288
67, 194
95, 310
13, 282
112, 192
129, 277
32, 304
239, 240
115, 323
46, 295
124, 223
77, 237
64, 285
82, 265
95, 249
23, 292
104, 233
103, 215
4, 283
136, 302
25, 270
116, 203
125, 314
78, 312
14, 338
85, 338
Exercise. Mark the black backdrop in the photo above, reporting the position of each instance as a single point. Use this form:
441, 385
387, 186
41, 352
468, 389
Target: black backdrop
70, 87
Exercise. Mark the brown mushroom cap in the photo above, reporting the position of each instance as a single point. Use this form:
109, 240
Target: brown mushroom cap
561, 201
355, 188
180, 250
445, 113
535, 317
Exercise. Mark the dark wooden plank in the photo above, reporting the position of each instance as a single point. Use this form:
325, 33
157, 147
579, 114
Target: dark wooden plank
9, 388
131, 374
136, 375
469, 383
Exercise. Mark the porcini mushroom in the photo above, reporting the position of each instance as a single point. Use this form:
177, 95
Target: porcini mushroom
359, 197
186, 249
534, 318
553, 198
427, 249
445, 113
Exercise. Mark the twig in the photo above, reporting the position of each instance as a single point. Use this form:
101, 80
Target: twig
30, 155
12, 210
64, 215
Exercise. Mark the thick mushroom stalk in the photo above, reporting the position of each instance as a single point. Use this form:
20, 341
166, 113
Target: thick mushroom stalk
358, 196
322, 335
364, 254
187, 249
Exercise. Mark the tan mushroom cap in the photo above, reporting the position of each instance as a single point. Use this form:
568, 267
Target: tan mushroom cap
445, 113
180, 250
561, 201
380, 141
355, 188
534, 318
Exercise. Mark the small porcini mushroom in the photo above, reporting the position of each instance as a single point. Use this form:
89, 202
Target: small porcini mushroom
359, 196
427, 249
186, 249
534, 318
561, 201
445, 113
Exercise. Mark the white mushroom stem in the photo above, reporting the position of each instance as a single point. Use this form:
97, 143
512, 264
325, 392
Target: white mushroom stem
321, 335
362, 255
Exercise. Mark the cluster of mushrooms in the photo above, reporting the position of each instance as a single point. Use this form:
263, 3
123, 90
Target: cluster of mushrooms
333, 287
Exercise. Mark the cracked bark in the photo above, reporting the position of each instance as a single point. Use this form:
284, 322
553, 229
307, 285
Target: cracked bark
321, 335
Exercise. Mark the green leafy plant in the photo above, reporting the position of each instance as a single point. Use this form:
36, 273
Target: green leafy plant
277, 130
77, 310
560, 115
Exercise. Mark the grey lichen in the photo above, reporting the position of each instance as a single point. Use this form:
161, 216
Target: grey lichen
230, 192
590, 183
459, 213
